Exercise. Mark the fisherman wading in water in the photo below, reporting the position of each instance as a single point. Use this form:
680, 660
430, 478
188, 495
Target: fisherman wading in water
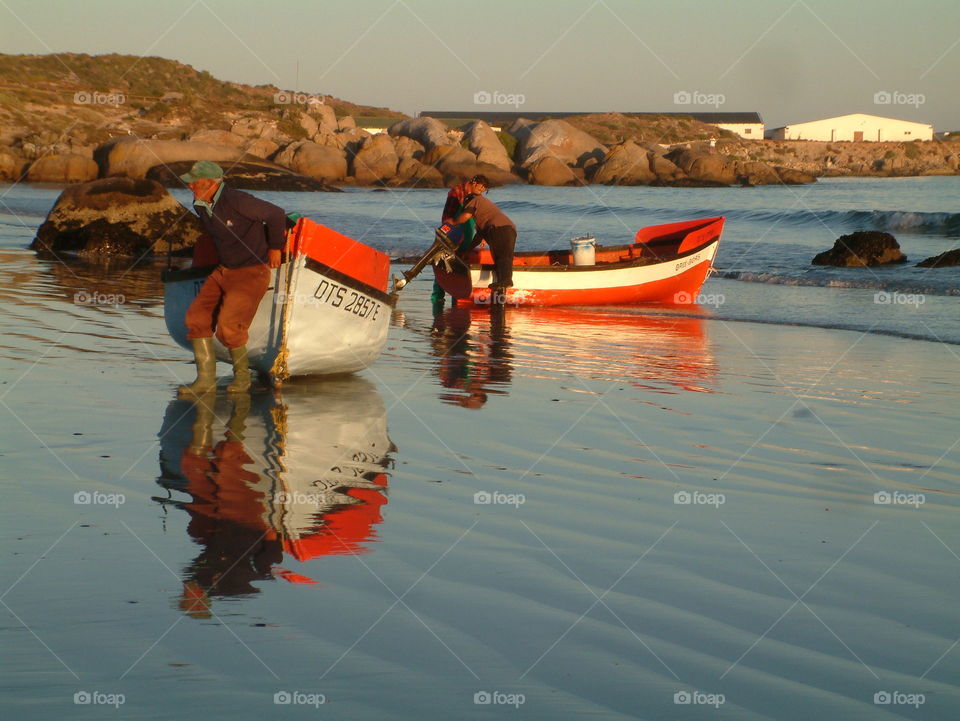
249, 235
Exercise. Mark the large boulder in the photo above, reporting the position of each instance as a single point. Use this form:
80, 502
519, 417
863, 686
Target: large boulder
457, 164
429, 132
408, 148
791, 176
625, 164
323, 162
132, 157
944, 260
484, 143
561, 140
261, 148
254, 127
325, 116
62, 169
703, 166
376, 161
116, 217
11, 165
754, 172
218, 137
862, 249
414, 174
666, 172
346, 123
551, 171
245, 175
349, 140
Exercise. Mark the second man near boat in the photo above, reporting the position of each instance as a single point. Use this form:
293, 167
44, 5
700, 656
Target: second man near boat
494, 227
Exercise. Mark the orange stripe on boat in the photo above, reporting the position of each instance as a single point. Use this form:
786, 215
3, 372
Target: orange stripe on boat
344, 254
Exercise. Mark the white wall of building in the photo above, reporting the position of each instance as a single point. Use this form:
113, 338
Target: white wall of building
750, 131
858, 126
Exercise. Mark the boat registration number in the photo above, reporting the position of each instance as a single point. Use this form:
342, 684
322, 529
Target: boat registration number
350, 301
687, 262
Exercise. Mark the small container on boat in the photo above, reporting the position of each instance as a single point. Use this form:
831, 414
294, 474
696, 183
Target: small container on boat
584, 250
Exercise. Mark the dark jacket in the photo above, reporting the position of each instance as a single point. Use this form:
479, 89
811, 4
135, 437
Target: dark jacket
243, 228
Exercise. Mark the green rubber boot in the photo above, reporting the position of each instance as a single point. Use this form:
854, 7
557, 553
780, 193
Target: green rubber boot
241, 370
206, 369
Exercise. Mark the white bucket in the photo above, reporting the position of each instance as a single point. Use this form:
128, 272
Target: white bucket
584, 250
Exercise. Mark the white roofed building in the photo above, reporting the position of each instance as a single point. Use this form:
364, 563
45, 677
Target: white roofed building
854, 127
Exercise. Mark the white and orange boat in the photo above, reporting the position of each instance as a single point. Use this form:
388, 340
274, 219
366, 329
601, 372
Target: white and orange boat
665, 264
326, 311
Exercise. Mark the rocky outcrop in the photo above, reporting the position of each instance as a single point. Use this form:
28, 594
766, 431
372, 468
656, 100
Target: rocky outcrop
245, 175
701, 166
133, 157
944, 260
116, 217
376, 161
429, 132
791, 176
625, 164
551, 171
753, 172
254, 127
408, 148
560, 140
322, 162
62, 169
412, 173
862, 249
219, 137
484, 143
11, 165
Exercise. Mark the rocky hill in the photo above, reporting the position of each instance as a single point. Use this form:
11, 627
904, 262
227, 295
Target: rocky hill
74, 118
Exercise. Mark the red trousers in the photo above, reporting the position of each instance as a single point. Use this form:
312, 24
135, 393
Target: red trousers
229, 298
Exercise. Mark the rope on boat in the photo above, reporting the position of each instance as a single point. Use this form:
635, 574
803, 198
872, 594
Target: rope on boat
279, 370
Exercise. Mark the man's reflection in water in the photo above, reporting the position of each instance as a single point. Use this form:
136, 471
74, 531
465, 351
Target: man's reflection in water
253, 499
473, 347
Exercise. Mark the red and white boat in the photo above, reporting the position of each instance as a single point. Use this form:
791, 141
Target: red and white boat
665, 264
326, 311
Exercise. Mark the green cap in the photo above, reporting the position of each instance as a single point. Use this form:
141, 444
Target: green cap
202, 169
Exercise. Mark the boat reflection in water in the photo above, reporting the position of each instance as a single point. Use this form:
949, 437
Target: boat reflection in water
265, 477
481, 350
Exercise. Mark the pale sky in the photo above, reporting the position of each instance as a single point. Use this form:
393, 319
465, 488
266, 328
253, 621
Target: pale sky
790, 60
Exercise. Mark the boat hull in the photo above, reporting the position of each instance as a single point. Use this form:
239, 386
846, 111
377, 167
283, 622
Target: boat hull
316, 318
673, 276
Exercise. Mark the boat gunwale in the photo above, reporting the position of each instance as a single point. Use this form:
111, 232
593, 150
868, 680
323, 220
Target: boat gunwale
640, 261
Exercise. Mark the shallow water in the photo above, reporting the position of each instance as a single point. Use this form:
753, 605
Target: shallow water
569, 513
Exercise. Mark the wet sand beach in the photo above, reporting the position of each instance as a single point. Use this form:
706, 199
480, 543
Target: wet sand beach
611, 514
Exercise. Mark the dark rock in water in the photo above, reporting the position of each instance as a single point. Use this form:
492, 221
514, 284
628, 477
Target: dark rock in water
944, 260
116, 217
244, 176
791, 176
862, 249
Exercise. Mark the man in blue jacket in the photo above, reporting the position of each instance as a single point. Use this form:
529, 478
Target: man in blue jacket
249, 234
